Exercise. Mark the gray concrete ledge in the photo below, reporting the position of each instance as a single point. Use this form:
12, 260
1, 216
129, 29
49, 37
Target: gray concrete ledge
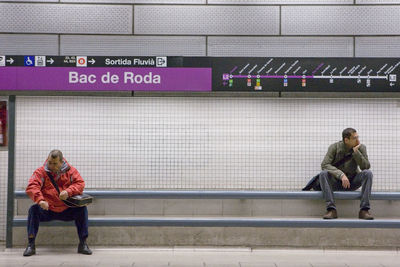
216, 236
227, 222
206, 194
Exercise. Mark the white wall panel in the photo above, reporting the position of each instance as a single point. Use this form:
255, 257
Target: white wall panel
42, 1
133, 45
377, 46
24, 44
65, 18
139, 1
212, 20
202, 143
377, 2
3, 193
280, 46
340, 20
280, 2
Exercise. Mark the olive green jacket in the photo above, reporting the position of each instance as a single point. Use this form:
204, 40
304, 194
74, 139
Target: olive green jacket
337, 152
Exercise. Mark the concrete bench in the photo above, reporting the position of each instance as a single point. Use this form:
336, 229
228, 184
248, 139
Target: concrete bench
227, 221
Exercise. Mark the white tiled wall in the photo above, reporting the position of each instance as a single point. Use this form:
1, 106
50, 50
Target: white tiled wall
377, 46
3, 193
321, 28
280, 46
24, 1
207, 20
25, 44
133, 45
202, 143
139, 1
280, 2
64, 18
377, 2
340, 20
200, 28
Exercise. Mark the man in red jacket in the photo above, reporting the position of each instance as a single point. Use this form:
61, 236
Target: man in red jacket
49, 202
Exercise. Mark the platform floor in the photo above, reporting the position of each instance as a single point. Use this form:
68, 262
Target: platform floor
196, 256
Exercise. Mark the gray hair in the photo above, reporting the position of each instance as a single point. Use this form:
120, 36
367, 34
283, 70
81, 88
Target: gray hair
347, 133
55, 153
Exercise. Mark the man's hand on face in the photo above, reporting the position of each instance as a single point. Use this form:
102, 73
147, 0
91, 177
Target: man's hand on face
63, 195
345, 181
44, 205
355, 149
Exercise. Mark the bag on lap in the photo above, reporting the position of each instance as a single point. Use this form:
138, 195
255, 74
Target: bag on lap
79, 200
74, 201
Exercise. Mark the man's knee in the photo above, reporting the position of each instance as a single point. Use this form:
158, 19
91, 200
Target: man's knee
81, 212
367, 173
324, 175
34, 209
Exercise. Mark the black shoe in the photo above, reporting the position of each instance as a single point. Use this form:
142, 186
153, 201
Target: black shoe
83, 248
30, 250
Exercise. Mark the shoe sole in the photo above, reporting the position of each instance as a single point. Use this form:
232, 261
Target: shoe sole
30, 255
84, 253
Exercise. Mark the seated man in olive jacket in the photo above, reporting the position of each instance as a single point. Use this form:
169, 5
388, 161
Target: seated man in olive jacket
341, 172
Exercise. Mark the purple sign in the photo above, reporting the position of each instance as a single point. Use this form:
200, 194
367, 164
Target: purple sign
105, 79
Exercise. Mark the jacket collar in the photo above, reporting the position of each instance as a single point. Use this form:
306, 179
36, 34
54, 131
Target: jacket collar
64, 168
345, 148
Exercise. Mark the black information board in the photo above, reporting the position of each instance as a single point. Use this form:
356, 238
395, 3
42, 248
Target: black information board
105, 61
306, 74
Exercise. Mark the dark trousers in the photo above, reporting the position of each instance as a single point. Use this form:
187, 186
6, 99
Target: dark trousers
37, 215
329, 184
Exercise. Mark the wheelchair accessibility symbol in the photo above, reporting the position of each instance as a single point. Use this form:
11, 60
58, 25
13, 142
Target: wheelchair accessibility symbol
29, 61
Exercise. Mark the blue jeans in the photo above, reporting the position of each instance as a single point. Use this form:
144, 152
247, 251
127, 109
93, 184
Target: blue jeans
37, 215
329, 184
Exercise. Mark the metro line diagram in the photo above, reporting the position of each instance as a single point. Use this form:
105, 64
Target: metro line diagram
307, 74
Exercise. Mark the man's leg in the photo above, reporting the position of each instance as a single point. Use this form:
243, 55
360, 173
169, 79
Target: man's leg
364, 179
81, 222
80, 216
326, 181
35, 216
328, 185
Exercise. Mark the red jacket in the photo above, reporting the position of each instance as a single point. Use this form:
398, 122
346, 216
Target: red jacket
40, 187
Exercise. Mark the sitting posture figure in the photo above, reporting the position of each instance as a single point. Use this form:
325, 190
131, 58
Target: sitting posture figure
341, 172
56, 172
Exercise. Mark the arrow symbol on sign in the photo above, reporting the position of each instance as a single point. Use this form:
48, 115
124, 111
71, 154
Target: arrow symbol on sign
11, 60
51, 61
92, 61
391, 84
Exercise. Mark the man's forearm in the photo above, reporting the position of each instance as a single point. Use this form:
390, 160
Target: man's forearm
333, 170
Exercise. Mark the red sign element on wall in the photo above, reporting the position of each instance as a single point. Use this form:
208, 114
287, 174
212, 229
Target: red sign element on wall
3, 123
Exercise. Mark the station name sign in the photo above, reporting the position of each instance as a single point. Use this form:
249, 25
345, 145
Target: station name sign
82, 73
